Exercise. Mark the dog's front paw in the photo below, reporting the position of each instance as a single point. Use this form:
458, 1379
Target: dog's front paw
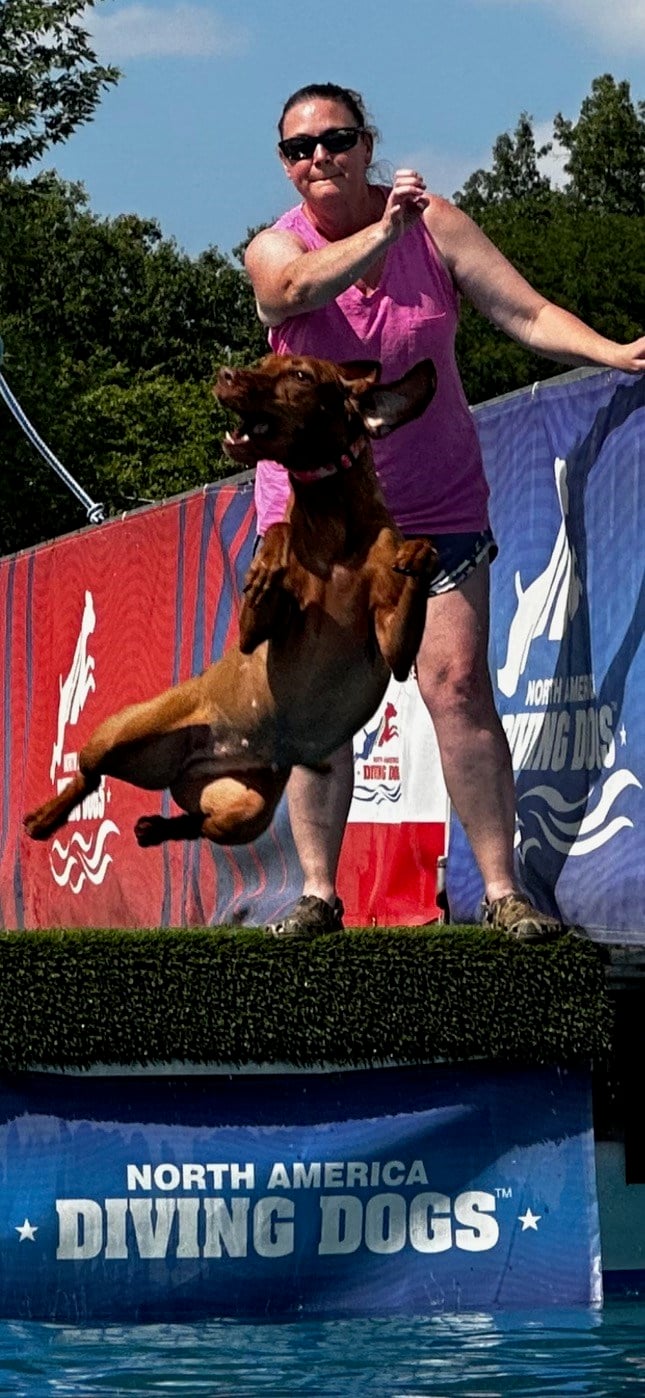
268, 567
262, 576
149, 830
416, 558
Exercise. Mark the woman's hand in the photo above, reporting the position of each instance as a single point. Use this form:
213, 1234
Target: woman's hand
630, 359
291, 279
406, 203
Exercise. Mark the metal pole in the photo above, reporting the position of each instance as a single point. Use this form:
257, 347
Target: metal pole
94, 511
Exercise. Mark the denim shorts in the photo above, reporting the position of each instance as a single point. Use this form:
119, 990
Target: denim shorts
459, 555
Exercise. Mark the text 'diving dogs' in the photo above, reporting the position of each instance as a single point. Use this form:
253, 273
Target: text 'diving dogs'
334, 600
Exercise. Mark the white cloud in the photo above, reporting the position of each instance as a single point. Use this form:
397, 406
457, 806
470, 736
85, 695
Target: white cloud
146, 31
617, 25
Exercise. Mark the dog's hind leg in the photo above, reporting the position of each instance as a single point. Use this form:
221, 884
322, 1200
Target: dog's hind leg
235, 810
120, 747
156, 829
241, 805
49, 817
174, 709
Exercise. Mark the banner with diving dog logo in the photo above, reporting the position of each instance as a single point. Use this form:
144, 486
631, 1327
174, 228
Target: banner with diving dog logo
397, 820
117, 614
93, 622
350, 1193
565, 465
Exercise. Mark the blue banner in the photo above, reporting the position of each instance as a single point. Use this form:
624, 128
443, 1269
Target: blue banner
144, 1198
565, 465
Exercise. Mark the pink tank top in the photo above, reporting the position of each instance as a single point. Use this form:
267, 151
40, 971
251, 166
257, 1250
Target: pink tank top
431, 470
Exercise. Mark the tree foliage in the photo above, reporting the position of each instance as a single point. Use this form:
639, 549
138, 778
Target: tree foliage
590, 263
112, 333
581, 246
606, 146
50, 81
515, 173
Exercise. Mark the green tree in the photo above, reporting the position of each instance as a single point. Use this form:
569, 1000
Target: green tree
581, 247
515, 172
50, 81
589, 262
606, 146
113, 334
112, 337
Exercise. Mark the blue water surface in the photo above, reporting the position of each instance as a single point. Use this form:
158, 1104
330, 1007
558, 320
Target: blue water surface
482, 1356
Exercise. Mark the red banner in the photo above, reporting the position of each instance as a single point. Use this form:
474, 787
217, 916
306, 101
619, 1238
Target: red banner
111, 616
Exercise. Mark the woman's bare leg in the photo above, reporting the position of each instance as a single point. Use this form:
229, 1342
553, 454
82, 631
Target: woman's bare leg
452, 668
319, 804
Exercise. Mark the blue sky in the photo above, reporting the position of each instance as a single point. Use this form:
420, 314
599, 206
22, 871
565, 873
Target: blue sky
188, 135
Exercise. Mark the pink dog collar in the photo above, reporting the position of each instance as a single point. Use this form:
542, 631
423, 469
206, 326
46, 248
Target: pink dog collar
348, 458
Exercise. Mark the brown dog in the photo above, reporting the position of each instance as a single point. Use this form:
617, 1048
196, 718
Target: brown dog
333, 601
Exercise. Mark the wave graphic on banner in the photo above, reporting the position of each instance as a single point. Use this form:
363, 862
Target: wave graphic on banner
555, 605
82, 859
369, 794
580, 836
568, 621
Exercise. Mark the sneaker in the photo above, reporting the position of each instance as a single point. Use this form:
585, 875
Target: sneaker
516, 916
310, 917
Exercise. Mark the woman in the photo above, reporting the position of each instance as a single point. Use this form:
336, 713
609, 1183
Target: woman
357, 270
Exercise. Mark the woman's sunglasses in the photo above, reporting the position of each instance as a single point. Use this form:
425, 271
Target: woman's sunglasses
335, 140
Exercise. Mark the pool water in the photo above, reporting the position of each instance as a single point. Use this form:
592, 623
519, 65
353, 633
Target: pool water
533, 1353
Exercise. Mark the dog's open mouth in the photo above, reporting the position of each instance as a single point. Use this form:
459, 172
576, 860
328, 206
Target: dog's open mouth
249, 439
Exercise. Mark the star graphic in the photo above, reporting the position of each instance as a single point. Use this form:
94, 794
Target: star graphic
622, 734
27, 1231
529, 1220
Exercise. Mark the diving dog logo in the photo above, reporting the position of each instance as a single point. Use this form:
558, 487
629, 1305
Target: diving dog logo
562, 725
548, 603
377, 760
83, 856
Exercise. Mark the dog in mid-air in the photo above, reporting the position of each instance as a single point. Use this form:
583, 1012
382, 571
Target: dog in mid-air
334, 601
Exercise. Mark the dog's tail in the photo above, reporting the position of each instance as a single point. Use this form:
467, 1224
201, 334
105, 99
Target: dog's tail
48, 818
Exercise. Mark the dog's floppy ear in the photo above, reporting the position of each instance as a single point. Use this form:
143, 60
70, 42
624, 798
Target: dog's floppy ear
384, 407
359, 374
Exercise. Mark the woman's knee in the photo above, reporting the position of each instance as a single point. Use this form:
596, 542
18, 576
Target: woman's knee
455, 689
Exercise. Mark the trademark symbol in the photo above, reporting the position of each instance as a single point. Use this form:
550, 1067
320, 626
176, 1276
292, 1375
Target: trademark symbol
504, 1191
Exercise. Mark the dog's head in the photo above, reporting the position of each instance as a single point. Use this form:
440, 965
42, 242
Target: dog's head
307, 413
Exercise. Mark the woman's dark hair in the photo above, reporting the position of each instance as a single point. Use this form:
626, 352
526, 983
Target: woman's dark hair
331, 92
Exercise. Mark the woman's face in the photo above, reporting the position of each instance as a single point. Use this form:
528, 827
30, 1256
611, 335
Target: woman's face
324, 175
